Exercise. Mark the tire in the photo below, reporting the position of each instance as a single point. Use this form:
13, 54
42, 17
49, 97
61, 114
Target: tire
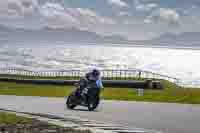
93, 105
70, 103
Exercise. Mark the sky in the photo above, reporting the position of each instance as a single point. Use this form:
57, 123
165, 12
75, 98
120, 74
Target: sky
132, 19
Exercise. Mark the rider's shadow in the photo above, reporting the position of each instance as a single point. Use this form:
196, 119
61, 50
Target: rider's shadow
84, 109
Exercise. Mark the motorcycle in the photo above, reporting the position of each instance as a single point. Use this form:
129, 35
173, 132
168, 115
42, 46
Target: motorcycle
83, 97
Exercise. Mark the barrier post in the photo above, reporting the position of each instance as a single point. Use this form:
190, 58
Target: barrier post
140, 90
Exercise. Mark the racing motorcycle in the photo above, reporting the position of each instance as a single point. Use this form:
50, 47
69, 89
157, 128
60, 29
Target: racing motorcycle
86, 97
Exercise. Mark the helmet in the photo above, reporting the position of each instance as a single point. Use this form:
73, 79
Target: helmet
96, 72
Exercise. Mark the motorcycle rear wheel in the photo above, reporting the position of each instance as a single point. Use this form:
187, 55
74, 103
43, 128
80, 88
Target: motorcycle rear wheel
70, 102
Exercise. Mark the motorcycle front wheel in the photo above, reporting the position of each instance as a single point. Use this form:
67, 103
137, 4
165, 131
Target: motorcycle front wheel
71, 104
92, 105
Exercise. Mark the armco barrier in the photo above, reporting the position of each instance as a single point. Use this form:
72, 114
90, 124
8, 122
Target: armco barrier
111, 74
147, 84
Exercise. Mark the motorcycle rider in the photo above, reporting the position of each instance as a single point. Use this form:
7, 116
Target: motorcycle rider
93, 81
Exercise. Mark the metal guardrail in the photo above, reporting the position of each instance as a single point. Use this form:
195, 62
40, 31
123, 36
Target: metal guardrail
108, 74
147, 84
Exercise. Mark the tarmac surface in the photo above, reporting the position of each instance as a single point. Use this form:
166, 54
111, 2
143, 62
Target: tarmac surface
164, 117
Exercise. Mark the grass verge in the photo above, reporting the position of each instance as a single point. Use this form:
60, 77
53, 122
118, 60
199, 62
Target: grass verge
6, 118
171, 93
11, 123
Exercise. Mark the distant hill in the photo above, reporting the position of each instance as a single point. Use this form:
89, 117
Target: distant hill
50, 35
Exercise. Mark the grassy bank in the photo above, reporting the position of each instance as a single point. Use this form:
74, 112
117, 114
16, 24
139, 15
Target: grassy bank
11, 123
6, 118
171, 93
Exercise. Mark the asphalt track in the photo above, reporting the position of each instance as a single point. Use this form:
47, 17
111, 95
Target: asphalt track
165, 117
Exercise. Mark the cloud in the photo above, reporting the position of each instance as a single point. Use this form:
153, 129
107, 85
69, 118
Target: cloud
17, 8
88, 16
59, 16
146, 7
124, 13
117, 16
189, 11
91, 16
118, 3
147, 21
166, 15
56, 16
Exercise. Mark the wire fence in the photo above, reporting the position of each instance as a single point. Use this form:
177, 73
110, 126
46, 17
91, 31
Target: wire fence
112, 74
